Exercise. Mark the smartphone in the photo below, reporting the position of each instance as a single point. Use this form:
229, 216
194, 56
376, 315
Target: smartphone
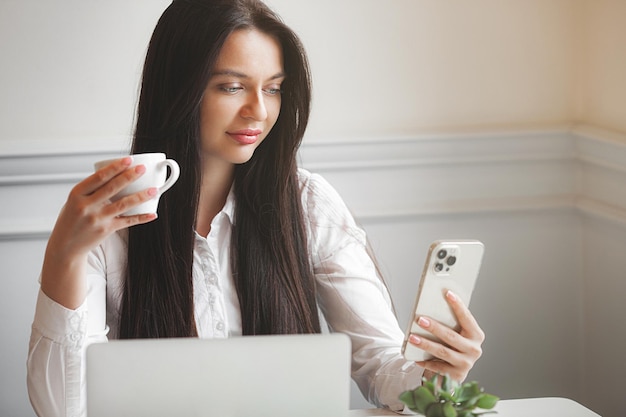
450, 265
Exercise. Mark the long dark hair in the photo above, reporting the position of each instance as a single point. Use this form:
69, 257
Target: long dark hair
272, 272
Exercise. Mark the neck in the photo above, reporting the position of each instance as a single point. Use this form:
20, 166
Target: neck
217, 179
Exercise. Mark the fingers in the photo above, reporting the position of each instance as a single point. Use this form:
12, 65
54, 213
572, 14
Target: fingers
446, 356
436, 366
89, 215
116, 184
90, 184
447, 361
469, 325
124, 204
99, 188
128, 221
470, 334
456, 352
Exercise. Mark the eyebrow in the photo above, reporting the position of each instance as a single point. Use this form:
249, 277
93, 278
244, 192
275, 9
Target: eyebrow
238, 74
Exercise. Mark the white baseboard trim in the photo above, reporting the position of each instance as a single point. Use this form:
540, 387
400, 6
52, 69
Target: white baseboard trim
28, 229
597, 210
437, 150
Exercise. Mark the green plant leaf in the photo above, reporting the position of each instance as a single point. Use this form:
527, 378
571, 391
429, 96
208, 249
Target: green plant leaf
487, 401
435, 410
467, 391
449, 410
445, 385
444, 395
407, 398
430, 385
435, 384
454, 385
471, 403
418, 400
423, 398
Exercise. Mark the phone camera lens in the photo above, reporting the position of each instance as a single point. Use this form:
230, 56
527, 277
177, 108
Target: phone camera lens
442, 254
438, 267
451, 260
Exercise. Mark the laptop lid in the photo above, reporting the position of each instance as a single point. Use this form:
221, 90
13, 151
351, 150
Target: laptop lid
277, 376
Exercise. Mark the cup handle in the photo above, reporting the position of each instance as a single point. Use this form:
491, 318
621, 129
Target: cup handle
174, 174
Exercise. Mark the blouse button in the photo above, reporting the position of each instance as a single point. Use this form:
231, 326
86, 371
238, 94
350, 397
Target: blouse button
220, 326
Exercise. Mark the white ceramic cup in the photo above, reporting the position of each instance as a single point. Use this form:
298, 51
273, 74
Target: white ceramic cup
155, 176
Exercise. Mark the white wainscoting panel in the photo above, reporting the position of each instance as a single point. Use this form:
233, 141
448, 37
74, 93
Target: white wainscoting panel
448, 173
549, 204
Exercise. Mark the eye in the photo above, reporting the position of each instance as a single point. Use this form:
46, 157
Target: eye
230, 88
272, 90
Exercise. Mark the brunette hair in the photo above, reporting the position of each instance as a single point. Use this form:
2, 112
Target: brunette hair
272, 273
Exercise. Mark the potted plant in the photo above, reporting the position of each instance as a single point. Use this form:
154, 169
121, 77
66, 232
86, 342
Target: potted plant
450, 399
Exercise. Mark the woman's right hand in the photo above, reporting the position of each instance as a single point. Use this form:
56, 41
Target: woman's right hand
86, 219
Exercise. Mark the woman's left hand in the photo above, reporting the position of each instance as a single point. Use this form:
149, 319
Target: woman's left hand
461, 350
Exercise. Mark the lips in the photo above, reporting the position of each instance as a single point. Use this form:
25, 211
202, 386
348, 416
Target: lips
245, 136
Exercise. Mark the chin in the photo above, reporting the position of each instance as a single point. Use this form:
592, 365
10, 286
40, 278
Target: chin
242, 158
231, 155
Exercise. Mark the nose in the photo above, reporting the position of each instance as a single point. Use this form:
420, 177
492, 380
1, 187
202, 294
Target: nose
254, 107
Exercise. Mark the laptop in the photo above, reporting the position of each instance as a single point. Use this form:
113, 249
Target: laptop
260, 376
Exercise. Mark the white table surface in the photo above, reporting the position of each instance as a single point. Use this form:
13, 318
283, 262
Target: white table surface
535, 407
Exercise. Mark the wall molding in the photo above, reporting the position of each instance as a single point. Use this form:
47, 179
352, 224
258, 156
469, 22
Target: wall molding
381, 179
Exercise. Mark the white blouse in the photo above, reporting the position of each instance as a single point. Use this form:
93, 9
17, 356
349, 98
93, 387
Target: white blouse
350, 295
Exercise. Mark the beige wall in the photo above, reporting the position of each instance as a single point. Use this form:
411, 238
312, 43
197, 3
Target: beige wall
405, 66
70, 69
380, 68
603, 64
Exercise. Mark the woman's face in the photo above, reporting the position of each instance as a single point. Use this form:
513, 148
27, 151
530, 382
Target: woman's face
242, 100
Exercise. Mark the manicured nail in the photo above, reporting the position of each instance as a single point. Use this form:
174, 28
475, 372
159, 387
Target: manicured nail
424, 322
152, 191
140, 169
127, 161
415, 339
451, 296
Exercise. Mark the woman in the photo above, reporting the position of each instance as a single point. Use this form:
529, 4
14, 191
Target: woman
245, 243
